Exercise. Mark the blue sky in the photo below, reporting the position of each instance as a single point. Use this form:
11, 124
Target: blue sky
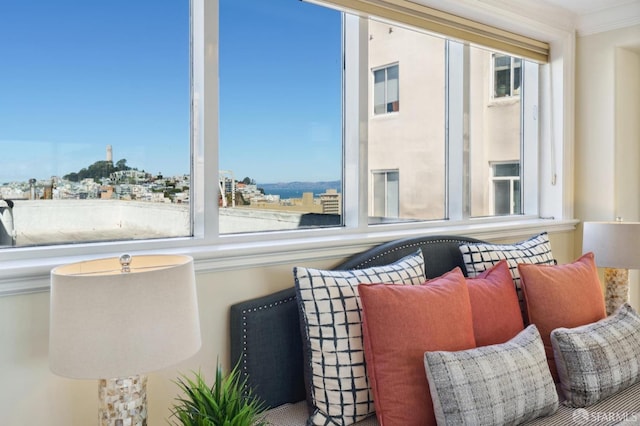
77, 76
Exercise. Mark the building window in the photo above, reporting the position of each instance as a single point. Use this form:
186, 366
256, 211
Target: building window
386, 90
506, 75
386, 193
505, 179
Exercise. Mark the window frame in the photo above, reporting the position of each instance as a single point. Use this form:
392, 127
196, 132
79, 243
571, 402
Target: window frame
509, 178
492, 90
386, 89
26, 270
385, 173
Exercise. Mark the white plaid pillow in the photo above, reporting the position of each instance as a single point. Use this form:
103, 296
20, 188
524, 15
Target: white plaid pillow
597, 360
509, 383
337, 385
478, 257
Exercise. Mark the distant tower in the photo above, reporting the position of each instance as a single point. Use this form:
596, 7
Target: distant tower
109, 154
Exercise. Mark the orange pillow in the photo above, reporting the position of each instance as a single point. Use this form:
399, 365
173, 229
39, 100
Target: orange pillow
494, 304
399, 324
562, 296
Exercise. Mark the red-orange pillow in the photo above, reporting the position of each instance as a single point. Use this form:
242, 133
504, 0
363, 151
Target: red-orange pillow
399, 324
494, 304
562, 296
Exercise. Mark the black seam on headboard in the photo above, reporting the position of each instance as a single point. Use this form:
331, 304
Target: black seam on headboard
247, 312
404, 246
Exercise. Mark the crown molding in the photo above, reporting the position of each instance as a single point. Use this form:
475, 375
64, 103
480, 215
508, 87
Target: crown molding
611, 18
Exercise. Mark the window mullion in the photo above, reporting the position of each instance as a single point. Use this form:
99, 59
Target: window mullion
356, 110
529, 173
457, 113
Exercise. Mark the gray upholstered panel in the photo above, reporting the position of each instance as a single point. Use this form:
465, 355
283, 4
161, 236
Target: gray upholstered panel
265, 337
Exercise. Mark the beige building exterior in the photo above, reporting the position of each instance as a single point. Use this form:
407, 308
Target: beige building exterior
407, 140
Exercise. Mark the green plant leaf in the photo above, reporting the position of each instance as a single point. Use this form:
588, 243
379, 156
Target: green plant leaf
227, 402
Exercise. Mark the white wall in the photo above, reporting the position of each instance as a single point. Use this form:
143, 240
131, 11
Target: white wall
607, 147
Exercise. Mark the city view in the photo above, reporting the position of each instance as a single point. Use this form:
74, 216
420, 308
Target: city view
35, 212
120, 141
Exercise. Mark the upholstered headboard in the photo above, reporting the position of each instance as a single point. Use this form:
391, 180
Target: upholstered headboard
265, 332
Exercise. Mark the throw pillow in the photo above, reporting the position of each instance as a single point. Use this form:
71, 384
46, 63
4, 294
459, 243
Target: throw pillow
500, 384
399, 324
338, 390
562, 296
478, 257
597, 360
494, 305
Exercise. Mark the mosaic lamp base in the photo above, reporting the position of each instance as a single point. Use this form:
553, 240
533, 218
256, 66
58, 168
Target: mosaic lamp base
616, 283
123, 401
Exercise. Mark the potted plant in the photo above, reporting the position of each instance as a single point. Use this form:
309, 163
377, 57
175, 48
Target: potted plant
225, 403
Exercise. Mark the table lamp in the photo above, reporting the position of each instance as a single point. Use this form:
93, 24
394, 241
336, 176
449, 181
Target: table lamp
117, 319
616, 246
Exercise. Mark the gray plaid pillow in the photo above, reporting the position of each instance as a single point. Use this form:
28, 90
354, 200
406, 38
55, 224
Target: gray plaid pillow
509, 383
597, 360
336, 380
479, 257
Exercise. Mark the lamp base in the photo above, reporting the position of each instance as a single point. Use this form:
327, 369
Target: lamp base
123, 401
616, 288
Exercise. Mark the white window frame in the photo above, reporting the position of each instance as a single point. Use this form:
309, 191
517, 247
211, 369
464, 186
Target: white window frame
25, 270
511, 179
386, 89
510, 95
396, 207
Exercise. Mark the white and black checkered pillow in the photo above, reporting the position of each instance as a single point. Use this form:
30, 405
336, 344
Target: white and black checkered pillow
509, 383
597, 360
337, 384
478, 257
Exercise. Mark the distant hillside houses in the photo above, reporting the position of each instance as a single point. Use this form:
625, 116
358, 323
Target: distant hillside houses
129, 176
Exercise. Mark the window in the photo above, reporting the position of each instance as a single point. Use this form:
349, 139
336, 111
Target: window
280, 116
496, 136
386, 197
414, 142
276, 109
506, 188
507, 75
386, 96
94, 122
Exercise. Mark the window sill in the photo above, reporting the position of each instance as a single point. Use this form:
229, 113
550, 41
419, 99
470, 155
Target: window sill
32, 275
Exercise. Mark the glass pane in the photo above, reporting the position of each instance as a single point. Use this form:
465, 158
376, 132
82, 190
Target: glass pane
412, 142
379, 194
392, 84
517, 198
379, 91
94, 121
508, 169
285, 162
494, 137
502, 197
516, 81
502, 83
393, 190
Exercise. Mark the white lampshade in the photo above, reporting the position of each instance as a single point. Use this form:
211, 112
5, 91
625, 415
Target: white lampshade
107, 323
614, 244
